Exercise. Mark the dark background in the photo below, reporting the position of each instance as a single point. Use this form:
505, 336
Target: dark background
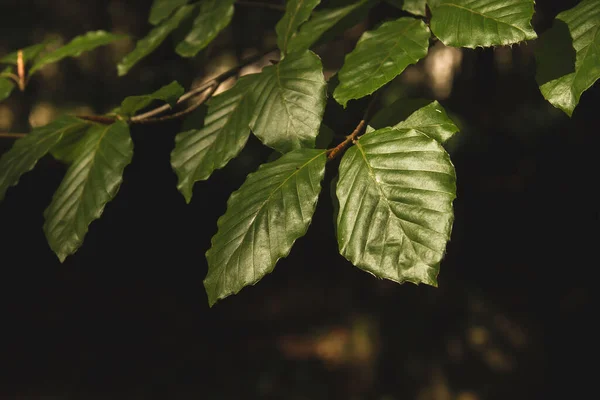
127, 316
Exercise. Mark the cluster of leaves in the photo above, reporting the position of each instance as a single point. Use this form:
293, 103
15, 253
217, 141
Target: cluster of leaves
396, 183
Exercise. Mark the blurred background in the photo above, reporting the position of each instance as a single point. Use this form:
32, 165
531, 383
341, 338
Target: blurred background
127, 316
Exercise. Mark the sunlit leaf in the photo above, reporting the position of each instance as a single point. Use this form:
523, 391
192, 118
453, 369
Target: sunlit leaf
432, 121
26, 151
156, 36
198, 152
395, 193
568, 55
289, 100
75, 47
91, 181
169, 94
322, 21
482, 23
162, 9
296, 13
29, 53
272, 209
380, 56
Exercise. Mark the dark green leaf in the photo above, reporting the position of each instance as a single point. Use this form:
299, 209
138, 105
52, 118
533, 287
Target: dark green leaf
432, 121
67, 149
395, 191
162, 9
29, 53
568, 55
324, 138
198, 152
169, 94
156, 36
324, 20
296, 13
91, 181
415, 7
26, 151
213, 17
75, 47
272, 209
380, 56
483, 23
6, 84
289, 102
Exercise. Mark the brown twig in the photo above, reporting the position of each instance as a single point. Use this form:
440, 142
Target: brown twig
8, 135
332, 153
261, 4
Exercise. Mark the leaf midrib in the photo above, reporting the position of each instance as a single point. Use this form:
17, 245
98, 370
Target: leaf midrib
482, 15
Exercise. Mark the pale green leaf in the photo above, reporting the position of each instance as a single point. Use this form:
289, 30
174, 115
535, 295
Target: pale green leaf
482, 23
198, 152
91, 181
26, 151
289, 100
75, 47
415, 7
213, 17
162, 9
156, 36
395, 193
272, 209
380, 56
432, 121
568, 55
325, 20
169, 94
296, 13
29, 53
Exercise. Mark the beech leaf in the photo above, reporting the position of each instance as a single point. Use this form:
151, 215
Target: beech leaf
169, 94
296, 13
264, 217
162, 9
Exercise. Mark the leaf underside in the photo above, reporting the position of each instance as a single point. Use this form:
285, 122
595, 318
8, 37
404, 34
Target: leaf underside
395, 193
482, 23
272, 209
91, 181
26, 152
380, 56
562, 81
296, 13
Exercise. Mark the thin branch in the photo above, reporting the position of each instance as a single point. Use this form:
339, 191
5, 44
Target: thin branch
332, 153
21, 70
261, 4
97, 118
7, 135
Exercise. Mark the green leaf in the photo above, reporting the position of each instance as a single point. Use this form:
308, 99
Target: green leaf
6, 84
169, 94
26, 152
415, 7
75, 47
323, 21
91, 181
156, 36
482, 23
29, 53
162, 9
289, 102
213, 17
198, 152
432, 121
324, 138
296, 13
568, 55
67, 148
396, 112
380, 56
264, 217
395, 194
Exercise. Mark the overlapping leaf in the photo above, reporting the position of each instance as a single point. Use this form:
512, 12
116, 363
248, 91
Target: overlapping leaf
272, 209
289, 100
75, 47
562, 78
169, 94
213, 17
6, 84
482, 23
91, 181
156, 36
296, 13
432, 121
380, 56
162, 9
26, 151
415, 7
395, 193
198, 152
29, 53
322, 21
